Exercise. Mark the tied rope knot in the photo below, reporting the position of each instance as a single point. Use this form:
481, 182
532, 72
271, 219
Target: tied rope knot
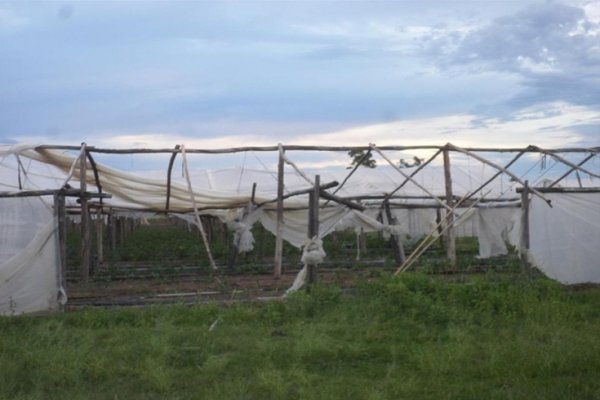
312, 251
242, 236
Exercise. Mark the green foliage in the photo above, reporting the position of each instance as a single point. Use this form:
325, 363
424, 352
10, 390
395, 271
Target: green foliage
411, 336
362, 158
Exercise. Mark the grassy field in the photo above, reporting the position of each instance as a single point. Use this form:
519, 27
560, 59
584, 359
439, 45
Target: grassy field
413, 337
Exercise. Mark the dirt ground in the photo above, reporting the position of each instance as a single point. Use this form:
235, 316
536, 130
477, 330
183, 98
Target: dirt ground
196, 289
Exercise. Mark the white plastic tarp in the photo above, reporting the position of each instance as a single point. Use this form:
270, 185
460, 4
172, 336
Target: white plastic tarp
29, 264
497, 227
565, 239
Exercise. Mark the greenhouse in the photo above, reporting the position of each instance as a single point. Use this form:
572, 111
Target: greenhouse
543, 203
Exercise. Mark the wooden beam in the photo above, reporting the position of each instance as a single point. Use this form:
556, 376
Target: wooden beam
579, 164
492, 164
298, 193
567, 162
563, 190
340, 200
409, 178
314, 148
52, 192
358, 164
498, 173
433, 196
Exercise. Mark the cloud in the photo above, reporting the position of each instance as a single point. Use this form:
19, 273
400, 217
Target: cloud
11, 22
554, 48
551, 125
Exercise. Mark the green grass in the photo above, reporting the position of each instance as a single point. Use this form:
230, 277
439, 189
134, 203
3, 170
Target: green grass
413, 337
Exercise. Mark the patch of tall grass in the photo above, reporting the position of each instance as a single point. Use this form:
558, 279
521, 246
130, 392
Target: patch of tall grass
414, 336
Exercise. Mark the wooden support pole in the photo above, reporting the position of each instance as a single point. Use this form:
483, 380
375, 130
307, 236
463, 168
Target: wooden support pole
524, 242
100, 235
96, 175
59, 209
112, 229
169, 171
395, 241
86, 237
450, 234
253, 195
440, 229
279, 235
313, 226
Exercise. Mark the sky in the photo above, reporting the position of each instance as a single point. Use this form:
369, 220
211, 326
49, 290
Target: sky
223, 74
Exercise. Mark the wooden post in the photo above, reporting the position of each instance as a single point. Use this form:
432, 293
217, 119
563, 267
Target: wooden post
86, 242
450, 237
100, 235
313, 225
397, 246
279, 236
362, 242
59, 209
524, 242
440, 228
253, 195
112, 230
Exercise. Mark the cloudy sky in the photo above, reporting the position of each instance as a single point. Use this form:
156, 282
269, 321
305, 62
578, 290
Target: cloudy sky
221, 74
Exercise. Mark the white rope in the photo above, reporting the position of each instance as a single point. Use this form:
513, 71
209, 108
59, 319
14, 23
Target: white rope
298, 170
75, 163
196, 214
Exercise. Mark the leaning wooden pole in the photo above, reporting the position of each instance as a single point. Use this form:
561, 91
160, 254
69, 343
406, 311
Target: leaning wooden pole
494, 165
279, 232
86, 237
395, 240
579, 164
450, 234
